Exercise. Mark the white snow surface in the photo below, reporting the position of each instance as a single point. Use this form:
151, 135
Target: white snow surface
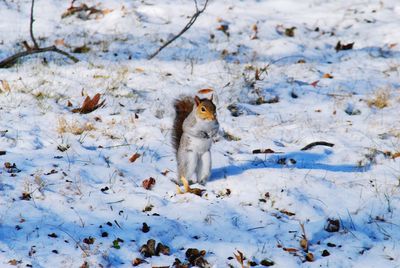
92, 187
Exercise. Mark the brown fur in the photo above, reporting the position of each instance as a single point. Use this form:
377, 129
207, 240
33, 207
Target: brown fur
183, 107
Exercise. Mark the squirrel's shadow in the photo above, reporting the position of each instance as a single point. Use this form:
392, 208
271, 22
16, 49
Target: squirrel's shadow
299, 160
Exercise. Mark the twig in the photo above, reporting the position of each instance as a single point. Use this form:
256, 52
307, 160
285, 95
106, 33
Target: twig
76, 241
187, 27
35, 44
9, 61
316, 143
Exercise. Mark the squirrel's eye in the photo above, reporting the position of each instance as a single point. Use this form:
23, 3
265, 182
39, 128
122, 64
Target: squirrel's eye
203, 109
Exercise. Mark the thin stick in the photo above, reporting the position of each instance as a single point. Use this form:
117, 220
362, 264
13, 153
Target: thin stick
35, 44
11, 60
76, 241
313, 144
8, 62
187, 27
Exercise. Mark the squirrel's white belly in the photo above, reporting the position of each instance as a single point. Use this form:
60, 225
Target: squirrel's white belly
195, 144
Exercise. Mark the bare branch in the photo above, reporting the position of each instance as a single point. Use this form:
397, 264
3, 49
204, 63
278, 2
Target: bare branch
35, 44
316, 143
187, 27
11, 60
8, 62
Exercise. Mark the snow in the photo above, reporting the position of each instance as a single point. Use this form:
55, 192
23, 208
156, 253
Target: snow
92, 187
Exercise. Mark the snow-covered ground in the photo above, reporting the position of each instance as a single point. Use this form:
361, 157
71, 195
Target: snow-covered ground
73, 197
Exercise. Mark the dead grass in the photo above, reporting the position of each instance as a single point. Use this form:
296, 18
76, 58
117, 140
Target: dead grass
75, 128
380, 100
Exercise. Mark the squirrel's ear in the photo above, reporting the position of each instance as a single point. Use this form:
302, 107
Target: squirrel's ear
211, 98
197, 100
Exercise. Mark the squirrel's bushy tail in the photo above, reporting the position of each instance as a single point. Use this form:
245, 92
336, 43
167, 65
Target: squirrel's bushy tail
183, 107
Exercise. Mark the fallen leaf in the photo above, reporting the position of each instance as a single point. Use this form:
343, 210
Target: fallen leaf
267, 262
14, 262
84, 265
59, 42
139, 70
309, 257
327, 76
205, 91
5, 85
26, 196
89, 240
52, 235
165, 172
137, 261
223, 27
314, 84
332, 225
134, 157
148, 249
325, 253
148, 183
290, 31
339, 46
162, 249
239, 257
106, 11
81, 49
196, 257
304, 244
263, 151
89, 104
395, 155
145, 228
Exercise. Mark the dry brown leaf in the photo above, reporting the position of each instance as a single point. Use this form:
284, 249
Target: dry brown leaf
59, 42
139, 70
263, 151
134, 157
304, 244
137, 261
13, 262
148, 183
240, 258
165, 172
89, 105
106, 11
5, 85
395, 155
315, 83
205, 91
327, 76
339, 46
310, 257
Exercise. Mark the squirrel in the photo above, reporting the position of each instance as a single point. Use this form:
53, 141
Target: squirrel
194, 127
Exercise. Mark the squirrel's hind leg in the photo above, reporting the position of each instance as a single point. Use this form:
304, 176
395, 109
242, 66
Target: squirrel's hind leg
204, 168
187, 163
